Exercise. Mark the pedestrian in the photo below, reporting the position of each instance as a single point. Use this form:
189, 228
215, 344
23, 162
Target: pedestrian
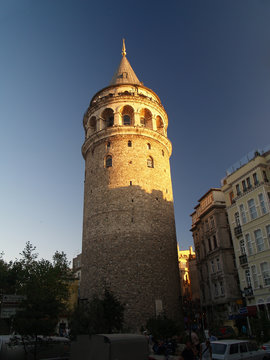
188, 352
206, 351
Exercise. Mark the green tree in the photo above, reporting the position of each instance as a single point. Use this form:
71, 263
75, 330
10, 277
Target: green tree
45, 285
100, 315
162, 327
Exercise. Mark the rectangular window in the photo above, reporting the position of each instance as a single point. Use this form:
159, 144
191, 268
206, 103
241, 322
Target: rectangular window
212, 222
243, 214
248, 280
218, 264
255, 179
216, 289
231, 195
268, 233
249, 244
265, 273
244, 185
265, 176
242, 247
259, 240
262, 204
206, 225
238, 192
209, 244
252, 209
254, 276
213, 266
237, 219
215, 241
248, 183
221, 287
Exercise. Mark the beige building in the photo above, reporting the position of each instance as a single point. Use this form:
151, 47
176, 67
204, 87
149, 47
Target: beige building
247, 195
215, 258
129, 239
188, 274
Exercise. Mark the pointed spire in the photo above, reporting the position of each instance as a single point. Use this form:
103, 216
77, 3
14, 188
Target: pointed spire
124, 74
124, 53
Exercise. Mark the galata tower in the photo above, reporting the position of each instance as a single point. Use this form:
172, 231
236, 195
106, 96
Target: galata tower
129, 240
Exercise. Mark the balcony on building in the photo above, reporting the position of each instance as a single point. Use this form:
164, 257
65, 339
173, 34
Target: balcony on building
243, 259
238, 231
248, 291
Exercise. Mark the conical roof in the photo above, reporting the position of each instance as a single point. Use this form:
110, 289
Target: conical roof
124, 74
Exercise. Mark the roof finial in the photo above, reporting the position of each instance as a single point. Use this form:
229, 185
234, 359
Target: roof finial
124, 53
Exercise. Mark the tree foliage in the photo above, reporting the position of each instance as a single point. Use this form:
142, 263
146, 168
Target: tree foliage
100, 315
162, 327
45, 285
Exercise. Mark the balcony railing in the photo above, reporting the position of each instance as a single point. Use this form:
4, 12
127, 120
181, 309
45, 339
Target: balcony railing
248, 291
243, 259
238, 231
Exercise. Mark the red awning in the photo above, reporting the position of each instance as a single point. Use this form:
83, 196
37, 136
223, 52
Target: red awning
252, 310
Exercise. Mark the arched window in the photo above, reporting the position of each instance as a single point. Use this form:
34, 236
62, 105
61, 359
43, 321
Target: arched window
129, 143
150, 162
108, 161
146, 118
149, 146
108, 116
127, 120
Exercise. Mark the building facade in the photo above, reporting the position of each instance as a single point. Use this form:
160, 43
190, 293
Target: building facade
247, 195
219, 288
129, 239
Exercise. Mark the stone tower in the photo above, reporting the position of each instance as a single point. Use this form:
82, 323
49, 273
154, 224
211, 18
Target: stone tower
129, 240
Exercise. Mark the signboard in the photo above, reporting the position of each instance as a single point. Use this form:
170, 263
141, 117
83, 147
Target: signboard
6, 313
243, 310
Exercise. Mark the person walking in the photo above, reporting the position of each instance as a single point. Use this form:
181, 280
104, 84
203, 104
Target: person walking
206, 351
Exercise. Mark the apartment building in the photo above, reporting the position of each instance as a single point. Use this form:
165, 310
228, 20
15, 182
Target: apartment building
247, 196
219, 288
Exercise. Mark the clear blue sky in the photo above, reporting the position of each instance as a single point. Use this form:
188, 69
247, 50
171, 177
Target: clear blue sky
209, 62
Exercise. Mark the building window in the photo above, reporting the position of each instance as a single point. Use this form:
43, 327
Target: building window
242, 247
150, 162
209, 244
215, 241
243, 213
248, 183
265, 273
249, 244
216, 289
213, 266
142, 121
231, 195
110, 121
162, 151
259, 240
255, 179
252, 209
129, 143
254, 276
265, 176
218, 264
108, 161
247, 276
237, 219
221, 287
244, 186
206, 225
108, 144
262, 204
212, 222
268, 233
238, 192
149, 146
127, 120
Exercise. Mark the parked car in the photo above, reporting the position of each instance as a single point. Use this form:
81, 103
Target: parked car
266, 347
237, 350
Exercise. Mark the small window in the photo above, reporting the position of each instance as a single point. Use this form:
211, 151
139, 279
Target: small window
149, 146
162, 152
127, 120
238, 191
265, 176
255, 179
150, 162
248, 183
108, 161
130, 183
108, 144
129, 143
244, 185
